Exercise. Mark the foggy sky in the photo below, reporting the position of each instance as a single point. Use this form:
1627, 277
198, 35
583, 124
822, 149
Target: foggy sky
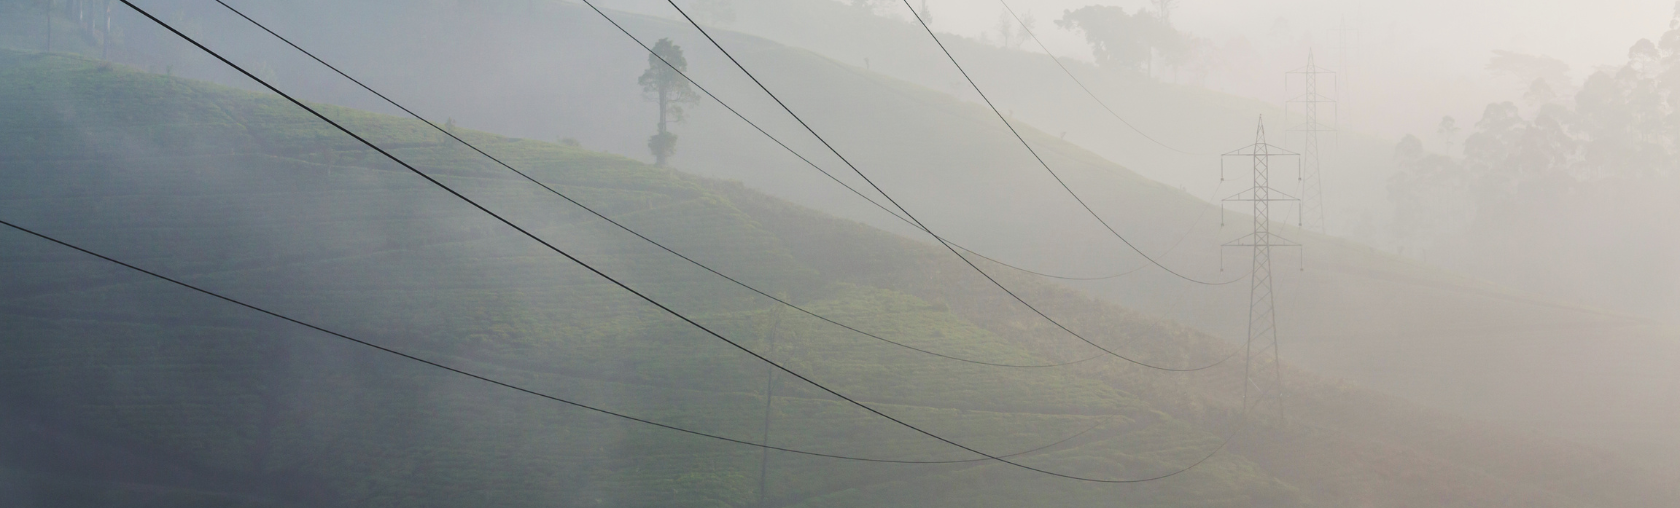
1430, 55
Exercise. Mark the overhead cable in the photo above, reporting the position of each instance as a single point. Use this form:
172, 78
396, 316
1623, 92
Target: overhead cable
633, 291
1005, 264
907, 213
1041, 161
493, 381
627, 229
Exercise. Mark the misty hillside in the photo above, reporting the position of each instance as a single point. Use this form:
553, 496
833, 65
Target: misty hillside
122, 391
1193, 123
551, 70
1520, 399
548, 71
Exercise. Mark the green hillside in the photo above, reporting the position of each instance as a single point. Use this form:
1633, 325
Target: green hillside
122, 391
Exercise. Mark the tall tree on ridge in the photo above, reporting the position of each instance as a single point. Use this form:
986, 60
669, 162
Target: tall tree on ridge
663, 82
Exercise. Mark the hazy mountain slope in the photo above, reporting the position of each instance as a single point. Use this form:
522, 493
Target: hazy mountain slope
206, 184
1196, 124
557, 70
120, 390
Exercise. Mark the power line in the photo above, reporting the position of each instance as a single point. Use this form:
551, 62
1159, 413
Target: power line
824, 172
475, 148
639, 294
907, 213
1081, 84
737, 114
627, 229
895, 215
1145, 264
1040, 159
493, 381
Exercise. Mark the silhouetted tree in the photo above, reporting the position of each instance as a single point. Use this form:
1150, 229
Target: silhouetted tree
1447, 130
1013, 32
1124, 41
1557, 181
664, 83
1540, 93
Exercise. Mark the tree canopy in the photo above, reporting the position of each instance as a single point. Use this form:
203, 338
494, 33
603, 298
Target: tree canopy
664, 83
1124, 41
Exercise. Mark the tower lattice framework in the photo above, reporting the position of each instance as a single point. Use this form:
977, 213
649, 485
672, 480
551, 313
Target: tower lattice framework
1262, 307
1307, 105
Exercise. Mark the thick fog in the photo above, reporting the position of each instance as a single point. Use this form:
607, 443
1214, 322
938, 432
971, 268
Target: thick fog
1403, 64
1588, 223
1483, 313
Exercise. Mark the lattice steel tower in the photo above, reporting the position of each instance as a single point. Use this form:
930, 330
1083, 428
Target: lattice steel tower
1262, 311
1307, 104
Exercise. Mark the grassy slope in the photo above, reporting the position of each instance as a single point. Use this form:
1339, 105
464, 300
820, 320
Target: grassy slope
205, 183
1355, 314
128, 391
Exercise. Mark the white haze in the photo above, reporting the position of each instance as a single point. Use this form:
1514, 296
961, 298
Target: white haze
1405, 64
1548, 330
1402, 68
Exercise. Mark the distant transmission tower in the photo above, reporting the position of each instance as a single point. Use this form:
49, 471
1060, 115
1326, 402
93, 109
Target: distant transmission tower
1312, 188
1348, 52
1262, 312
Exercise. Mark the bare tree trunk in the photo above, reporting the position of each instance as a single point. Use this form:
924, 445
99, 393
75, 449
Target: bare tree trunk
664, 105
49, 25
105, 39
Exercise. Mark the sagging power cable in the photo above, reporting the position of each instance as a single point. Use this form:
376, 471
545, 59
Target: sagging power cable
1041, 161
918, 223
627, 229
644, 297
493, 381
1181, 237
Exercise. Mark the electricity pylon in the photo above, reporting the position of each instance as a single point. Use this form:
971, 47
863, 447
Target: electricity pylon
1348, 52
1312, 188
1262, 311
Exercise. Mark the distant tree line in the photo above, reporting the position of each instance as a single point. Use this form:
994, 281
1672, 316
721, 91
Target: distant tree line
1546, 181
1127, 41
